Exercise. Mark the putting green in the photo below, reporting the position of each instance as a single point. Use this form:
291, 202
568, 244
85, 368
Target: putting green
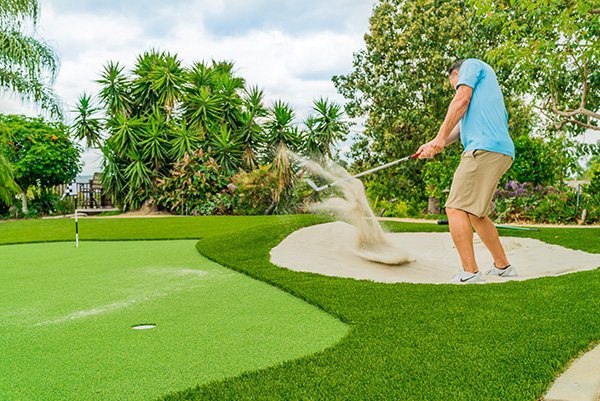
66, 316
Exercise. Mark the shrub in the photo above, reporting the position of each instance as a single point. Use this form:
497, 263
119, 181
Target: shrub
438, 173
594, 175
390, 208
256, 192
196, 185
535, 162
543, 204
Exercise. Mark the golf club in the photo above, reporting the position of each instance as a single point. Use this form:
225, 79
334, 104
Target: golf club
314, 186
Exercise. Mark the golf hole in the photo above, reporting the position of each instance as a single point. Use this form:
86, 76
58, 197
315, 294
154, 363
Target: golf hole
146, 326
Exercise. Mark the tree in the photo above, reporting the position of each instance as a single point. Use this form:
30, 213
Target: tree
324, 129
282, 136
553, 51
41, 152
227, 148
85, 125
158, 83
8, 186
115, 92
399, 86
162, 111
252, 132
28, 66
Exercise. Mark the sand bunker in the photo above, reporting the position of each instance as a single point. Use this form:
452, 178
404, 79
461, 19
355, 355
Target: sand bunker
351, 204
329, 249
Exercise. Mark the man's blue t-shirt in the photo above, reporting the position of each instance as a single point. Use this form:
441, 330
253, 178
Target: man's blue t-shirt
485, 124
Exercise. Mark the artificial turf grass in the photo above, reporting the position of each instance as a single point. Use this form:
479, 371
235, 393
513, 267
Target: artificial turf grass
66, 313
421, 342
404, 338
107, 229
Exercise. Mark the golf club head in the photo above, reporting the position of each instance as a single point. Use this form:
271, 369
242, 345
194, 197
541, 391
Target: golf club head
314, 186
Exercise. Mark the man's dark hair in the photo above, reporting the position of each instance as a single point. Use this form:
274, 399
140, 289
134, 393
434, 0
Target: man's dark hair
455, 66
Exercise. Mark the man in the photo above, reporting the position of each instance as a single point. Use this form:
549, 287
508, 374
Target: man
478, 116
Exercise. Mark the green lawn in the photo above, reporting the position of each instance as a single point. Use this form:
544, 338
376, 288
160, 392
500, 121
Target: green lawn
406, 341
66, 317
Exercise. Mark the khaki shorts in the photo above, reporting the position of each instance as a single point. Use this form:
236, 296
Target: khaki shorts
475, 180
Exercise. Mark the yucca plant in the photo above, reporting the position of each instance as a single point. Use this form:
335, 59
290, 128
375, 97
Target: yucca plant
282, 136
167, 80
161, 112
202, 108
143, 95
226, 148
200, 75
324, 128
251, 130
154, 141
113, 173
184, 140
229, 88
115, 92
138, 178
85, 125
125, 134
312, 145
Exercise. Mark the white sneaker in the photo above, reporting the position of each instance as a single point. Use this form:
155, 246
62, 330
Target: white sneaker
468, 278
506, 272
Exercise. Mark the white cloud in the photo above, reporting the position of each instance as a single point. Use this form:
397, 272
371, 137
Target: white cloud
294, 65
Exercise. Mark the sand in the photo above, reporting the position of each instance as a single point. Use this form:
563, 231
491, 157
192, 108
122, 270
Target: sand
330, 249
351, 204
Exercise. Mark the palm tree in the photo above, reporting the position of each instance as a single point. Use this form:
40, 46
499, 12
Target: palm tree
8, 186
86, 126
28, 66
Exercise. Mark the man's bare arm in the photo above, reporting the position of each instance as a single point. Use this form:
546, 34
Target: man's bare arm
458, 107
454, 135
446, 135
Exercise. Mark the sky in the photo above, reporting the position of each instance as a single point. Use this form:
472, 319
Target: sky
291, 48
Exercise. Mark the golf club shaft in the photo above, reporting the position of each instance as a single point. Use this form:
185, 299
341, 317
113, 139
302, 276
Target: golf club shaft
383, 166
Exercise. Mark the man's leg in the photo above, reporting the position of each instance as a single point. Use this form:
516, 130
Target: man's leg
489, 235
462, 235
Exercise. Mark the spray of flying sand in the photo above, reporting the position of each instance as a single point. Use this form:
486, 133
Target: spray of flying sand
354, 207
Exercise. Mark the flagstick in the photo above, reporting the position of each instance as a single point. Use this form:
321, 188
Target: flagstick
76, 230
